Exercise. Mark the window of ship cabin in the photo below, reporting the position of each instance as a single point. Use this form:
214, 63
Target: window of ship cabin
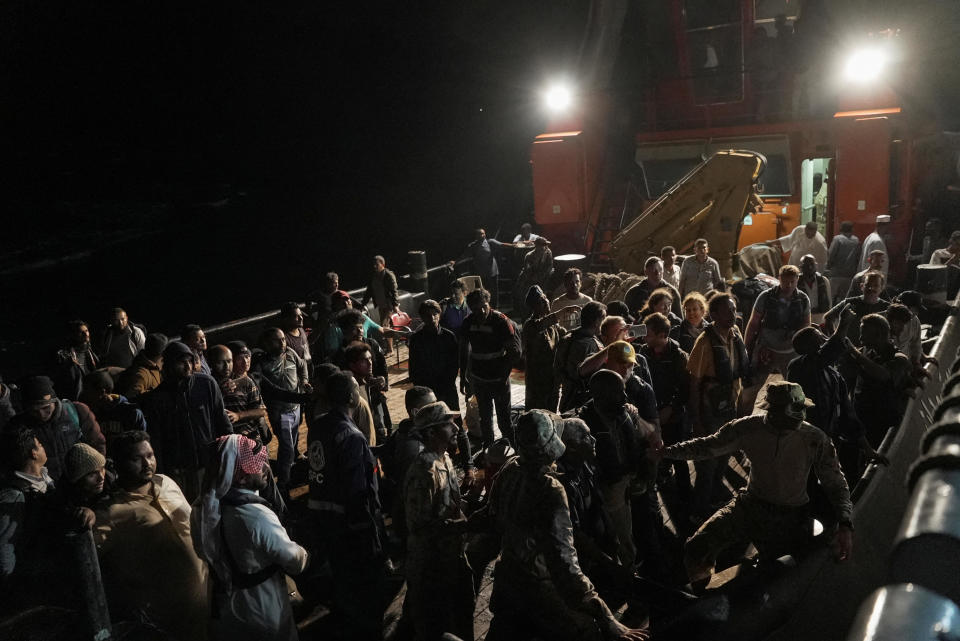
661, 175
767, 11
663, 164
714, 43
700, 14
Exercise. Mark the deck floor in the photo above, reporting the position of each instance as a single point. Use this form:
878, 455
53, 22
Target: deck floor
315, 622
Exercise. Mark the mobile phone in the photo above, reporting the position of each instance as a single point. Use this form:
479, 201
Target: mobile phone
637, 331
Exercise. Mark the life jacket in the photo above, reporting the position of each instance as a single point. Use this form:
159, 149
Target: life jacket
58, 435
824, 304
722, 364
774, 320
718, 390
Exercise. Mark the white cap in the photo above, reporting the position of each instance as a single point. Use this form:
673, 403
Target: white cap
883, 218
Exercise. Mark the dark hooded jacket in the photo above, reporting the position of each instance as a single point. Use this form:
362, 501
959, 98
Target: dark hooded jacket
184, 416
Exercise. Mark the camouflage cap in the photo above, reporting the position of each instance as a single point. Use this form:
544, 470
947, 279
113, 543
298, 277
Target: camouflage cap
432, 414
787, 398
537, 438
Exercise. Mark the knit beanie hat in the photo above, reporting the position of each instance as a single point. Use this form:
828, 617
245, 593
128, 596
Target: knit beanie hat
37, 389
81, 459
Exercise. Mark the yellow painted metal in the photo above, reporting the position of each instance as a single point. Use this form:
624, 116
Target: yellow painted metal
709, 202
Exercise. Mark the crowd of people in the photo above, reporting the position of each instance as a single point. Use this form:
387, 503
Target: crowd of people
160, 446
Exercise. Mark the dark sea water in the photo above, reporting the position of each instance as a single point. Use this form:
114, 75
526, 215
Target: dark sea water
204, 265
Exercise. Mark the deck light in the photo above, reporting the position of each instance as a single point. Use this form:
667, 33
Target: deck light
865, 65
558, 98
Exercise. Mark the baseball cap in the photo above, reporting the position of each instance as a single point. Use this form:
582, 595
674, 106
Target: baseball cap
621, 352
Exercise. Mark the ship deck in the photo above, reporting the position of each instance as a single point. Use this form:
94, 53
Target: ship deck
316, 621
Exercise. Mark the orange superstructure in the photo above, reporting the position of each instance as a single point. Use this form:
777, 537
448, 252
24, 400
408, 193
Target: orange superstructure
851, 156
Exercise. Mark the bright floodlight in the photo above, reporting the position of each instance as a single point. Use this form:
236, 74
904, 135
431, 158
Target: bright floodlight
865, 65
558, 97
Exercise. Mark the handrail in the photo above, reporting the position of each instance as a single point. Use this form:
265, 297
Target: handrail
880, 501
925, 554
249, 322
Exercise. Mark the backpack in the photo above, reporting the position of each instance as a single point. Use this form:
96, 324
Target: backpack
239, 579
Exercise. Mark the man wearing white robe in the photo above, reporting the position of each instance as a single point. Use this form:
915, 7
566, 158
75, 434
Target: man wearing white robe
237, 533
875, 242
803, 240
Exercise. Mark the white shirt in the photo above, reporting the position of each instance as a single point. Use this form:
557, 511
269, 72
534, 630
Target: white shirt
872, 243
519, 238
820, 200
672, 275
940, 257
797, 243
908, 341
571, 320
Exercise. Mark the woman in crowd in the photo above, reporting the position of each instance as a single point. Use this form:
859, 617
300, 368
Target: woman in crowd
693, 323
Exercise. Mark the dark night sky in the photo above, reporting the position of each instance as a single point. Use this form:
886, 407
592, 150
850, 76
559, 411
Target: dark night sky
337, 130
327, 109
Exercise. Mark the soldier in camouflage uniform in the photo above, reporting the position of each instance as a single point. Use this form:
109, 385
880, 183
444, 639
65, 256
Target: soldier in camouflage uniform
538, 585
439, 581
773, 511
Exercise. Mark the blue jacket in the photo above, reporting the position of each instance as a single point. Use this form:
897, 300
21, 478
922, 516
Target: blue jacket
344, 491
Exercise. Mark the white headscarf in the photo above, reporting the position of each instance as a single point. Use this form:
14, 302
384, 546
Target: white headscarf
205, 517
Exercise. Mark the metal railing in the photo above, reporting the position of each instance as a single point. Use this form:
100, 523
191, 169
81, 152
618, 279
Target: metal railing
924, 558
249, 328
820, 598
882, 501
